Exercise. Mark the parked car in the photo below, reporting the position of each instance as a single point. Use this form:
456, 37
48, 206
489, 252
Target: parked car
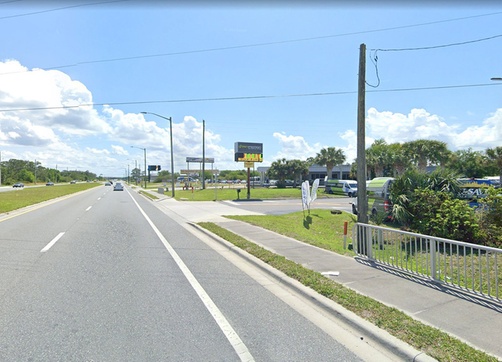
118, 187
49, 183
18, 185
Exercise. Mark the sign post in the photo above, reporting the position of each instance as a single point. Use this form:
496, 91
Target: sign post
249, 153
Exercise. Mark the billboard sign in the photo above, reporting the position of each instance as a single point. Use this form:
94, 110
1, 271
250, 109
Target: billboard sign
199, 159
248, 152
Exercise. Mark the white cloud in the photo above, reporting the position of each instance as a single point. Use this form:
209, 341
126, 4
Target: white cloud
50, 90
119, 150
488, 135
420, 124
293, 147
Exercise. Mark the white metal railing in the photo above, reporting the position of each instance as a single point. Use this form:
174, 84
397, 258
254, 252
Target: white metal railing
469, 267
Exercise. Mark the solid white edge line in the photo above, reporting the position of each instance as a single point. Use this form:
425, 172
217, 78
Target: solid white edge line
226, 328
52, 242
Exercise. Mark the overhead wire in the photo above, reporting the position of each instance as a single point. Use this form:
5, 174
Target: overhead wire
243, 46
55, 9
374, 57
219, 99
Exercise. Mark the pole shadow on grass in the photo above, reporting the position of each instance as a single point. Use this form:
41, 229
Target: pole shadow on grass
307, 221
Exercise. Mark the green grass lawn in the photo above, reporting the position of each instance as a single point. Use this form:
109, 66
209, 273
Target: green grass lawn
319, 228
229, 192
18, 198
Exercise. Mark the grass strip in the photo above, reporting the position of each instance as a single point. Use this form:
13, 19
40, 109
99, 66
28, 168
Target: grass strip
19, 198
432, 341
148, 194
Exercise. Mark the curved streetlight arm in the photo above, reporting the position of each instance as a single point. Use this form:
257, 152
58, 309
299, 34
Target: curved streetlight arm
170, 119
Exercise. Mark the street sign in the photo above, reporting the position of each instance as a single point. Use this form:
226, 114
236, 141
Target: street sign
200, 159
248, 164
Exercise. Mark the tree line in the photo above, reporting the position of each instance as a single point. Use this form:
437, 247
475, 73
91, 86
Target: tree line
13, 171
394, 159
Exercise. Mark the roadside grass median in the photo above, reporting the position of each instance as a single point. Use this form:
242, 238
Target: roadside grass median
19, 198
148, 194
436, 343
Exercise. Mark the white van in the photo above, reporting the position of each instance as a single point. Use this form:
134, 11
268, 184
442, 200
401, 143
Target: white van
348, 187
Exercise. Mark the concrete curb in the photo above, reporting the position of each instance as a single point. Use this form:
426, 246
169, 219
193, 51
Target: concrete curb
367, 330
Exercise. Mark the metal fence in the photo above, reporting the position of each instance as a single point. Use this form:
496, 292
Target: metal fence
472, 268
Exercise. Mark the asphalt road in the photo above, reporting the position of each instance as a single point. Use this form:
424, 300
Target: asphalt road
106, 276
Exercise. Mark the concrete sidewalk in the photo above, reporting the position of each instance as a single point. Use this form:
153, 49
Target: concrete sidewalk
474, 321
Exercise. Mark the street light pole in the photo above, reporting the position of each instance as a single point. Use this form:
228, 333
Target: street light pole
171, 140
144, 153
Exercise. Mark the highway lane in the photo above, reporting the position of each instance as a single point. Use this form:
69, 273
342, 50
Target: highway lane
105, 275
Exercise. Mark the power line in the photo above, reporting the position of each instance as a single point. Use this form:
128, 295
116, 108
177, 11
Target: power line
207, 50
57, 9
438, 46
319, 94
374, 58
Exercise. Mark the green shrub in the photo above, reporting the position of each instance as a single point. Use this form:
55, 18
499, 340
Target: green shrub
489, 217
439, 214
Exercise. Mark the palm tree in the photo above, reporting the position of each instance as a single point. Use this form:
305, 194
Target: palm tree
423, 152
495, 155
298, 169
377, 157
279, 170
330, 157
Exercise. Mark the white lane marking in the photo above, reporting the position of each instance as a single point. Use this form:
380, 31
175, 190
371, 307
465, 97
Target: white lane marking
99, 198
226, 328
52, 242
88, 208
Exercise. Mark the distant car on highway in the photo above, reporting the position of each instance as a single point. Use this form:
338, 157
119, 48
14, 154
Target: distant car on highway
18, 185
73, 182
49, 183
118, 187
108, 183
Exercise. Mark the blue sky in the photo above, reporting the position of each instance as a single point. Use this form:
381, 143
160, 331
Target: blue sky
284, 75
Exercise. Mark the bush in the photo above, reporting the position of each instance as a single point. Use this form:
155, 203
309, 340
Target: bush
439, 214
489, 218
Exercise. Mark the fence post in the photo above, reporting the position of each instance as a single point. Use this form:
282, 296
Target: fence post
369, 243
433, 258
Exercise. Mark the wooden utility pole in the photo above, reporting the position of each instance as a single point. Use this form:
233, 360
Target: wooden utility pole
362, 197
203, 154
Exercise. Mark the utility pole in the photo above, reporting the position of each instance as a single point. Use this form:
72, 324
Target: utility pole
362, 197
203, 154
